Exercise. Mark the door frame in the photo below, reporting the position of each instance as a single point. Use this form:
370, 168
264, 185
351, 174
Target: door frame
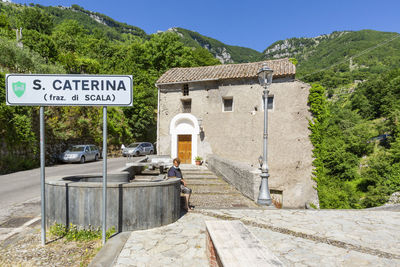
184, 124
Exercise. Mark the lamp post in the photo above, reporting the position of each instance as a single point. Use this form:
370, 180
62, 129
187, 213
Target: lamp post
265, 79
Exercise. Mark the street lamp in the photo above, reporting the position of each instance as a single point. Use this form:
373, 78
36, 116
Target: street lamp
265, 79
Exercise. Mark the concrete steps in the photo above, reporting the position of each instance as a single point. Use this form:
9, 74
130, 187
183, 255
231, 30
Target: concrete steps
220, 201
213, 190
198, 173
205, 181
196, 176
210, 191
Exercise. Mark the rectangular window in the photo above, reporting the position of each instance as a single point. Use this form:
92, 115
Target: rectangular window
270, 102
228, 104
187, 106
185, 89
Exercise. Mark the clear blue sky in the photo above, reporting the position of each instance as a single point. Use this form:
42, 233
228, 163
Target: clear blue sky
253, 24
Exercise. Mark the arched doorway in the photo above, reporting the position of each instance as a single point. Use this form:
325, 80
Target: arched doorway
184, 129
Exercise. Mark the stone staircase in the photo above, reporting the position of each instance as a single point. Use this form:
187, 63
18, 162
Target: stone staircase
211, 191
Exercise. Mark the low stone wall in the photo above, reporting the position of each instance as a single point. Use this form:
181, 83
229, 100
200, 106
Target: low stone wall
286, 192
245, 178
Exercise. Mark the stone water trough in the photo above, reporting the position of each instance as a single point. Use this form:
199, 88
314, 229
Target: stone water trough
134, 202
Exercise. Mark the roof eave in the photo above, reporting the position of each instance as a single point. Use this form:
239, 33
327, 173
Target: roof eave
202, 80
220, 79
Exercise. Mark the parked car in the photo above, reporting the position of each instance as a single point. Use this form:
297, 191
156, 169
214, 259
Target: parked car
81, 153
137, 149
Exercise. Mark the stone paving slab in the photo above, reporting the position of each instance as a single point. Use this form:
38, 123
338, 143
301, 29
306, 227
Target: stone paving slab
179, 244
296, 237
295, 251
376, 230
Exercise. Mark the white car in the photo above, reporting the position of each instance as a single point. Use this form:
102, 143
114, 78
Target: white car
137, 149
81, 153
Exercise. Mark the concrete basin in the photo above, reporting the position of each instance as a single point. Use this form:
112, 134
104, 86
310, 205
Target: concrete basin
145, 202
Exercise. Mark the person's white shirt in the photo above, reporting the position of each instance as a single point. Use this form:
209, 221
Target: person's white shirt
122, 146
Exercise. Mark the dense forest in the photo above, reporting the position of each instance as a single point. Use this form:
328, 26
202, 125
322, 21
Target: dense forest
354, 98
355, 102
81, 45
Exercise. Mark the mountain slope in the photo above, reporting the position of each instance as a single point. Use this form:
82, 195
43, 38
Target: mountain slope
93, 20
223, 52
295, 46
346, 56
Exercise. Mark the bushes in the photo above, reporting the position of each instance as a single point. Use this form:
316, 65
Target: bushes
12, 163
343, 138
23, 60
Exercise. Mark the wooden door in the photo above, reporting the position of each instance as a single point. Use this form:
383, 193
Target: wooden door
185, 148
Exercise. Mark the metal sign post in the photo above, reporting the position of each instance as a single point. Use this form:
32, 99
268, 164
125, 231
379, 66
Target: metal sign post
104, 174
69, 90
42, 176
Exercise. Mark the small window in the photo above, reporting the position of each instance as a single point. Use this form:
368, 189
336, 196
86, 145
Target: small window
228, 104
187, 106
185, 89
270, 102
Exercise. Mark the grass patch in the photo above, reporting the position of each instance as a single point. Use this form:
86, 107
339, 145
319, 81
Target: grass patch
75, 233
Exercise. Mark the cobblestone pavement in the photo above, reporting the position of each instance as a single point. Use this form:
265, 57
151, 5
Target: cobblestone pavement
296, 237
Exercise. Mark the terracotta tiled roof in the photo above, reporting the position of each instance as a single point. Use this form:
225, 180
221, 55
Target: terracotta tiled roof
282, 67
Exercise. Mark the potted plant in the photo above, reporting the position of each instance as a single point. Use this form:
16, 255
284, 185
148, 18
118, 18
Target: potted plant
198, 160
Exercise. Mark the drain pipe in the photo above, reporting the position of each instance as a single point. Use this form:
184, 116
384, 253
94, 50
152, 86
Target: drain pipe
158, 120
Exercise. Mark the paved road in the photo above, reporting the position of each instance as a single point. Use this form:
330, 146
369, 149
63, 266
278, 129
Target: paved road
22, 186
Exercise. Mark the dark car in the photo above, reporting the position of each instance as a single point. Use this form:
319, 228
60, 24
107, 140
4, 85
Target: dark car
81, 153
137, 149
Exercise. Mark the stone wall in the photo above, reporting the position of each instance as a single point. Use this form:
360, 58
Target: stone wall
247, 180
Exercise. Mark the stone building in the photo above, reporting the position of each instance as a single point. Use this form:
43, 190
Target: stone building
218, 111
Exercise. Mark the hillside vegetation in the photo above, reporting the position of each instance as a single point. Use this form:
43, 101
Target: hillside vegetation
355, 100
223, 52
53, 45
93, 21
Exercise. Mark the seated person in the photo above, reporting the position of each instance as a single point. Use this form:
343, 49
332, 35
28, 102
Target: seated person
175, 171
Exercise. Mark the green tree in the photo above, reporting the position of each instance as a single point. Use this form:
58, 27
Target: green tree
32, 18
5, 27
69, 36
203, 57
41, 43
